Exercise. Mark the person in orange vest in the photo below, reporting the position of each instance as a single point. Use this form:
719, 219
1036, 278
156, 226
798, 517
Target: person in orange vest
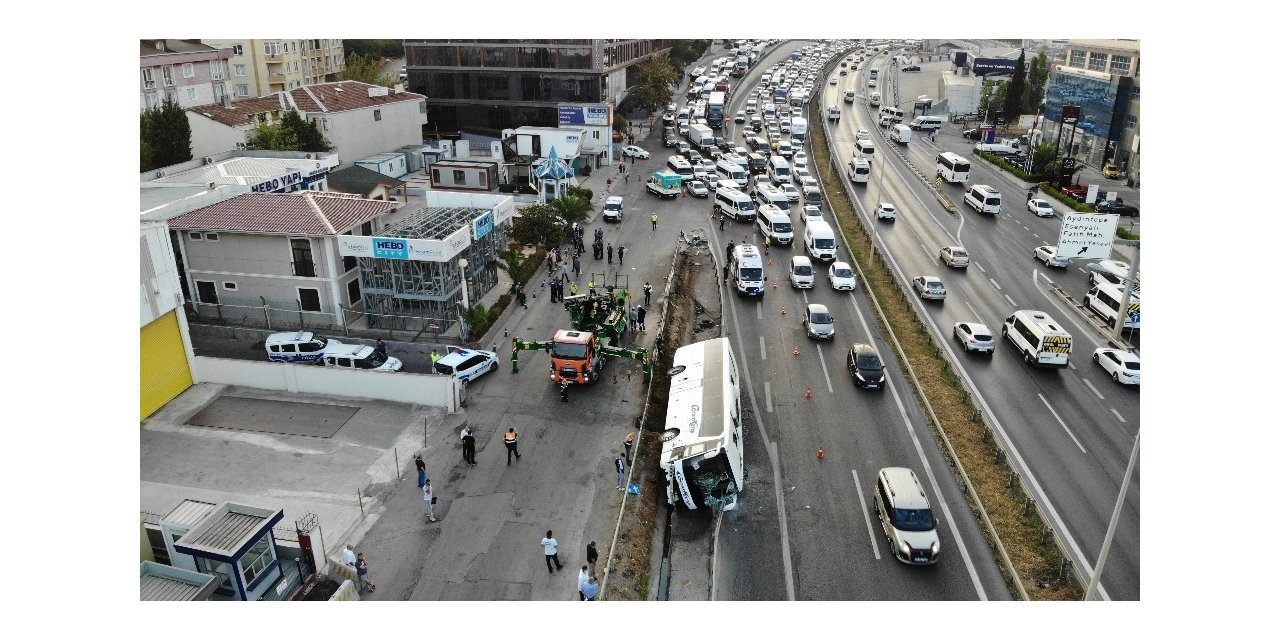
631, 437
512, 447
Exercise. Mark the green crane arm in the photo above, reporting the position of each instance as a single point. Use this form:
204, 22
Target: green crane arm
518, 345
639, 355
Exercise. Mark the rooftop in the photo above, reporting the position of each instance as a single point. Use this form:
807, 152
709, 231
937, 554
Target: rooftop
301, 213
329, 97
359, 180
1128, 45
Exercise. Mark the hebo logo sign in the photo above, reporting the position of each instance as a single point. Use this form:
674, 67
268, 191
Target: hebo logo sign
393, 248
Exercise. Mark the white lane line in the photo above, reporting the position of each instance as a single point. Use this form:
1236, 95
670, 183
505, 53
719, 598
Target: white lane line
1011, 302
768, 397
975, 311
763, 355
927, 255
995, 284
760, 310
1059, 419
1118, 416
978, 266
866, 515
1083, 270
826, 375
1072, 365
1036, 235
1091, 388
1046, 279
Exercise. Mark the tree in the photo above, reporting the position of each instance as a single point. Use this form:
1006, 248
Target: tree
538, 226
374, 48
571, 208
272, 137
1041, 156
992, 98
366, 69
306, 133
1037, 76
146, 157
167, 132
656, 79
1013, 98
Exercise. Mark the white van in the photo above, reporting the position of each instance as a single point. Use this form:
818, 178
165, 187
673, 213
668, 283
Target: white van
680, 167
784, 148
1104, 299
724, 183
747, 270
735, 204
859, 170
769, 194
875, 99
779, 170
820, 240
851, 95
1038, 337
926, 123
900, 133
732, 171
865, 149
893, 112
801, 273
774, 223
983, 199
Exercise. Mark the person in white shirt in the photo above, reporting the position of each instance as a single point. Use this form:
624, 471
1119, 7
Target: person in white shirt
583, 577
549, 545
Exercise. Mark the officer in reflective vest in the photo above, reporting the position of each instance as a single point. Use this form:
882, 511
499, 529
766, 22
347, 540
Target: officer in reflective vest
510, 440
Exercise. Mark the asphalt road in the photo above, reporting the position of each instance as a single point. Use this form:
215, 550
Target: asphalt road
1071, 429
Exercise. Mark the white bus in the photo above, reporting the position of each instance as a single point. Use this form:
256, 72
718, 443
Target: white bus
702, 445
952, 168
1038, 337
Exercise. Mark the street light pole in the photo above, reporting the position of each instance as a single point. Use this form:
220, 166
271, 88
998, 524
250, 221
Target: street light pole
1115, 517
1123, 313
462, 264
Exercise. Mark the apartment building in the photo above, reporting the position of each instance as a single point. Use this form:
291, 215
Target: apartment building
189, 72
261, 67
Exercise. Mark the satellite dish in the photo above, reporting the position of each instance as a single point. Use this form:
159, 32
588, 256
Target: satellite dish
676, 370
669, 435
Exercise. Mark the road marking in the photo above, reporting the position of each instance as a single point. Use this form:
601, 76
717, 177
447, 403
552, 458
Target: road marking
1035, 235
1118, 416
975, 311
1091, 388
1064, 425
763, 355
978, 266
824, 368
1046, 279
1011, 302
926, 253
866, 515
760, 310
768, 397
995, 284
1072, 365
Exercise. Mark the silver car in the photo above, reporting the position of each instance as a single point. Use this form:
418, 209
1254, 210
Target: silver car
929, 288
974, 336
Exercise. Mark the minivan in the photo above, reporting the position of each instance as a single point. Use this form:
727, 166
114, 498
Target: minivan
820, 240
859, 170
779, 170
926, 123
892, 112
865, 149
801, 273
732, 171
983, 199
906, 517
747, 270
734, 204
775, 224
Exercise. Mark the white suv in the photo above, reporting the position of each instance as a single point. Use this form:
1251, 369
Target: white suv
467, 364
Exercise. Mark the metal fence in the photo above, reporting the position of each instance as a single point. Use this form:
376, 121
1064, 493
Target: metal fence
351, 322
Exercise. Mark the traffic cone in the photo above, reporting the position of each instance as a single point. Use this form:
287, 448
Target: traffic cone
784, 311
770, 263
808, 393
795, 351
821, 454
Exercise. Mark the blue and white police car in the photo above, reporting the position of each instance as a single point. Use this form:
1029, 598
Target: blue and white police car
467, 364
359, 356
298, 346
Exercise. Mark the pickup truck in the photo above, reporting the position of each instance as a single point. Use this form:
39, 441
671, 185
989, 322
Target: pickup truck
664, 184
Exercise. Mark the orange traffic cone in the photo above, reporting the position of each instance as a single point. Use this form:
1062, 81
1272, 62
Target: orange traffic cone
784, 311
795, 351
808, 394
821, 454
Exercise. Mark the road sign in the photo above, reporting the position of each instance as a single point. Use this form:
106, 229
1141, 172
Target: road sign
1087, 235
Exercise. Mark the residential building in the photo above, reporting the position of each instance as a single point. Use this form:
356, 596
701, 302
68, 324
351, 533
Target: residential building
190, 73
358, 119
490, 85
261, 67
1102, 78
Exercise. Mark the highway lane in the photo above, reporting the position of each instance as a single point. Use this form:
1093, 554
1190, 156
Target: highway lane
1075, 424
828, 502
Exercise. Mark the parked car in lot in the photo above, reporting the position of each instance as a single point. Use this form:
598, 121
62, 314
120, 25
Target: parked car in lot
1124, 367
865, 366
1040, 207
632, 151
929, 288
974, 336
1117, 206
1048, 254
972, 134
954, 257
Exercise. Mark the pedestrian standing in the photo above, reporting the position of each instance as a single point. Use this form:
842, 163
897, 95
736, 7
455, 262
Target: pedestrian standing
620, 165
380, 347
640, 317
577, 268
573, 288
654, 219
512, 446
628, 442
349, 556
626, 177
726, 273
722, 217
766, 245
728, 252
555, 284
592, 556
583, 578
524, 302
549, 545
621, 466
648, 289
631, 318
564, 270
621, 251
422, 469
591, 590
362, 573
469, 447
608, 184
609, 250
430, 499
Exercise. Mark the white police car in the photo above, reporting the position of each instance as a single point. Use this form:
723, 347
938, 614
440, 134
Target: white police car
359, 356
298, 346
467, 364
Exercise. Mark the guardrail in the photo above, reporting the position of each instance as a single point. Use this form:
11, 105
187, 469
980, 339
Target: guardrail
1047, 532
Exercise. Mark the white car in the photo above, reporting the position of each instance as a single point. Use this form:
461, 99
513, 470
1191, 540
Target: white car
359, 356
1123, 366
800, 173
974, 336
697, 188
886, 211
632, 151
954, 257
1040, 207
684, 128
833, 80
466, 364
792, 193
800, 159
758, 181
863, 134
842, 277
740, 117
810, 213
700, 172
1048, 254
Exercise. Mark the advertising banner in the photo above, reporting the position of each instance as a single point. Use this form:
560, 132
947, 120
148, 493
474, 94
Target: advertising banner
583, 114
408, 248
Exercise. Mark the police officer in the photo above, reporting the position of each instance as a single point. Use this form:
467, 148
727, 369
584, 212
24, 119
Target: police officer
510, 439
648, 289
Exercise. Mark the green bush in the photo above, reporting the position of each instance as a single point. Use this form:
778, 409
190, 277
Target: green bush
581, 192
999, 161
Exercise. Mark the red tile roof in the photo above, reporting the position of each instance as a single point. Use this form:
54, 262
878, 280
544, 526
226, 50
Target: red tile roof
330, 97
304, 213
242, 112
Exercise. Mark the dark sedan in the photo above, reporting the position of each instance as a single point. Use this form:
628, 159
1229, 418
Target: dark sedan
911, 67
972, 134
1116, 207
865, 366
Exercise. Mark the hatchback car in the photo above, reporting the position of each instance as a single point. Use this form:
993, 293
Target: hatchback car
833, 80
466, 364
359, 356
818, 322
974, 336
886, 211
972, 134
1117, 207
1123, 366
863, 134
1110, 170
842, 277
1040, 207
1048, 254
911, 67
865, 366
700, 173
954, 257
740, 117
670, 141
632, 151
929, 288
682, 147
810, 213
800, 159
697, 188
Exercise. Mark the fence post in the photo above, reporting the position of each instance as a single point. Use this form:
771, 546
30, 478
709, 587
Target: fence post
396, 451
266, 315
360, 501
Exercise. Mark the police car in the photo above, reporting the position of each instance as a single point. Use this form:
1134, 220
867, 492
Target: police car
358, 356
467, 364
300, 346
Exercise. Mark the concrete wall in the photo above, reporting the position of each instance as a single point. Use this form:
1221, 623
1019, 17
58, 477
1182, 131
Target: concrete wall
159, 289
355, 134
210, 137
424, 389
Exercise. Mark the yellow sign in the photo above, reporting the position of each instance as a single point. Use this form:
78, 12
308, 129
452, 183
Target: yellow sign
1056, 344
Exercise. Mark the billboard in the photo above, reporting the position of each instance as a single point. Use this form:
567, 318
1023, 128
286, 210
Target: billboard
584, 114
1094, 94
405, 248
1087, 235
983, 66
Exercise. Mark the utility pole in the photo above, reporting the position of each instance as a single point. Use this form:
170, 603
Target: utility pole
1115, 517
1123, 313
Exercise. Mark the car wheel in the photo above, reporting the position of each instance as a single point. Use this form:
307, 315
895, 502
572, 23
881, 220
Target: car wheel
1095, 357
1115, 376
1026, 357
493, 367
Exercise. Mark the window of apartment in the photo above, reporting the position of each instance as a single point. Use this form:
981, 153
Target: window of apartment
534, 57
496, 57
242, 90
348, 263
188, 70
1131, 122
195, 236
303, 265
215, 69
353, 291
315, 44
230, 286
210, 237
573, 59
377, 115
1077, 59
148, 79
191, 94
1120, 65
219, 90
309, 299
469, 56
153, 100
459, 176
237, 49
366, 229
1097, 61
167, 73
241, 71
171, 96
272, 48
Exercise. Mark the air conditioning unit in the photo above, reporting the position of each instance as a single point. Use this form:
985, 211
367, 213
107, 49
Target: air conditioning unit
160, 174
207, 159
213, 185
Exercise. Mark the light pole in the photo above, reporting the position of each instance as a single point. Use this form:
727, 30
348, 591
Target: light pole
1115, 518
462, 264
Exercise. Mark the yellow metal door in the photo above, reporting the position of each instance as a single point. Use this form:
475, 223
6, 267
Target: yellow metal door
164, 369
